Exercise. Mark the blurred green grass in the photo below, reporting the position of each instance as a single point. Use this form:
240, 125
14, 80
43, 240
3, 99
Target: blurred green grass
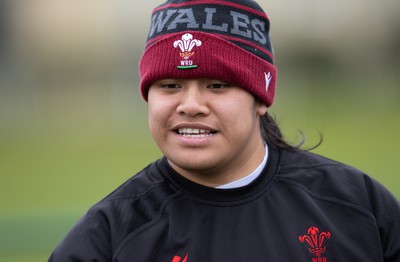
55, 164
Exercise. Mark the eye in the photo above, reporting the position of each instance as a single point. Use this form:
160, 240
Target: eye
218, 85
169, 86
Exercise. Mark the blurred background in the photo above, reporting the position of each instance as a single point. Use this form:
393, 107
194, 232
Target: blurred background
73, 125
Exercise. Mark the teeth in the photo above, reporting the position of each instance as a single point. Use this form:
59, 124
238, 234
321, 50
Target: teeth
194, 132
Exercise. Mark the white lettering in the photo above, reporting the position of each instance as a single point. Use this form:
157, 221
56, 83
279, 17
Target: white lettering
185, 16
259, 32
186, 62
209, 21
239, 24
158, 21
240, 21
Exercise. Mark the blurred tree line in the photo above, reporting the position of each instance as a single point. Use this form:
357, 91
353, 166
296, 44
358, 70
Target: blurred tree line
84, 46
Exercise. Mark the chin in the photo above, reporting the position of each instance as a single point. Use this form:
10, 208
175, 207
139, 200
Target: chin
193, 164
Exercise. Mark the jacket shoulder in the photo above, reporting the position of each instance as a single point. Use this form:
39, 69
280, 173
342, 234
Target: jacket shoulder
329, 179
131, 206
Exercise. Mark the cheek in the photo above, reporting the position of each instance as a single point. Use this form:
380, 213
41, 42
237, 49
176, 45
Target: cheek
238, 109
159, 111
156, 125
236, 119
151, 118
244, 113
156, 118
154, 112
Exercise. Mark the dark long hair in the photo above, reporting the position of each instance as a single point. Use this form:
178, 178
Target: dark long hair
272, 134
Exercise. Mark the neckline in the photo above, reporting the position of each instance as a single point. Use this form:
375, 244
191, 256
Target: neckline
244, 181
215, 195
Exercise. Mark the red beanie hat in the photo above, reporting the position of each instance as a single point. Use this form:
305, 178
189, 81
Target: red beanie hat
226, 40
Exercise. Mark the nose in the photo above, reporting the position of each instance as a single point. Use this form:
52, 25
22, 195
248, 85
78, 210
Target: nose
193, 102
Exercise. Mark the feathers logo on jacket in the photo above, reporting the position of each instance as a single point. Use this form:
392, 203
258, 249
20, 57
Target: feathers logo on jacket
178, 258
315, 240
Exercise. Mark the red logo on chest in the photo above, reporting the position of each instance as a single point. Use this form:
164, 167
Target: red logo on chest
179, 259
315, 240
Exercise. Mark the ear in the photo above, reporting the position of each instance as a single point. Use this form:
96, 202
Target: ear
261, 109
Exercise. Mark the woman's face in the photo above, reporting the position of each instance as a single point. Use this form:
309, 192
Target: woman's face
207, 129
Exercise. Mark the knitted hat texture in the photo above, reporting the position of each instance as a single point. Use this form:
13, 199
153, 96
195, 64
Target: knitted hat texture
220, 39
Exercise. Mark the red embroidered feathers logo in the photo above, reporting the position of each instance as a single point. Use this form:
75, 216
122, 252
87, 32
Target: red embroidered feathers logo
315, 240
179, 259
186, 44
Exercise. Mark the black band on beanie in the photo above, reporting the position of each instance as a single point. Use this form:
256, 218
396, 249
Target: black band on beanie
243, 23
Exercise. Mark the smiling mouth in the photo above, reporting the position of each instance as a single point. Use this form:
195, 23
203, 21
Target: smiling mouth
194, 132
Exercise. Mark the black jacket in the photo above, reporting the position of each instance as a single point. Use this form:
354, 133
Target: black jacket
302, 207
